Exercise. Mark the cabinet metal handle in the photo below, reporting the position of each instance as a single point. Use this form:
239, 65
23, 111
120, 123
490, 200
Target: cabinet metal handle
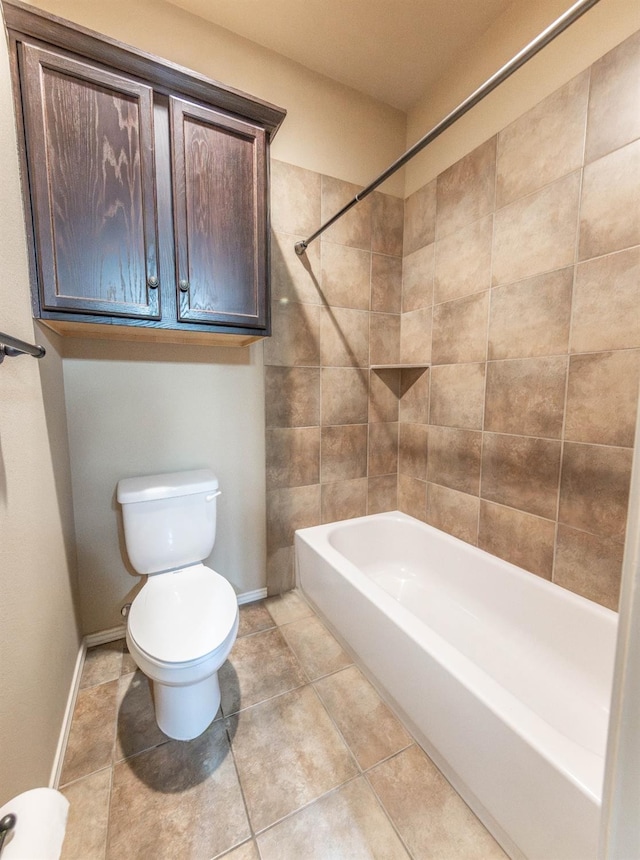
152, 282
184, 286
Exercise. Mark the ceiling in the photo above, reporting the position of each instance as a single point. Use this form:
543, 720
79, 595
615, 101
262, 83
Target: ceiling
391, 50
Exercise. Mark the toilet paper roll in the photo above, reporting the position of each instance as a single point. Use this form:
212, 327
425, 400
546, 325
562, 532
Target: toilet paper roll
41, 821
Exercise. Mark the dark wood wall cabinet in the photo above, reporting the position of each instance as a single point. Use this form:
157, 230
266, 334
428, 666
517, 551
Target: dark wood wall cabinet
145, 187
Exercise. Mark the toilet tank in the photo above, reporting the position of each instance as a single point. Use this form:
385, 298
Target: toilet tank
169, 520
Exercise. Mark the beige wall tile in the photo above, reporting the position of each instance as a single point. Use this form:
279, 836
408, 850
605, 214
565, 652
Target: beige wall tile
282, 772
457, 395
295, 199
532, 317
344, 395
383, 494
415, 337
614, 118
349, 819
343, 452
295, 338
383, 449
609, 211
545, 143
281, 575
412, 497
606, 300
594, 490
417, 278
537, 233
602, 397
526, 396
454, 458
412, 450
420, 218
414, 396
533, 549
589, 565
460, 330
292, 396
466, 190
290, 509
294, 278
384, 393
384, 338
343, 500
453, 512
386, 284
387, 221
346, 276
366, 723
344, 338
354, 228
463, 261
521, 472
431, 818
292, 456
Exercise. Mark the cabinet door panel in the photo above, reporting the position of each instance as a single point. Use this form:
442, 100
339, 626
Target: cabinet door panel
218, 166
93, 191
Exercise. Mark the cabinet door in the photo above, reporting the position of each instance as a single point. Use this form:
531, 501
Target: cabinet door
220, 217
89, 139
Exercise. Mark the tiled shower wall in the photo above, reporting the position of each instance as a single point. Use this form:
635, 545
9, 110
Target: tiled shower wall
521, 286
332, 438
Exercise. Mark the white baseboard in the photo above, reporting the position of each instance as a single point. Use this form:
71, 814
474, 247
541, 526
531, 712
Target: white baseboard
252, 596
56, 770
104, 636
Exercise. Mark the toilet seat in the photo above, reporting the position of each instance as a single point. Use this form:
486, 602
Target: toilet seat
184, 615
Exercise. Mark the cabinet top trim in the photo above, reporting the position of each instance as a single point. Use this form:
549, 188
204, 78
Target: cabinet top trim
165, 76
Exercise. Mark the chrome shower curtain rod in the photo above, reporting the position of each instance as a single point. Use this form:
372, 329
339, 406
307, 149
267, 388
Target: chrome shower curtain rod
572, 14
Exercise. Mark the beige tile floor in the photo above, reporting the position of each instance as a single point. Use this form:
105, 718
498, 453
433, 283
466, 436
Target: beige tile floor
303, 762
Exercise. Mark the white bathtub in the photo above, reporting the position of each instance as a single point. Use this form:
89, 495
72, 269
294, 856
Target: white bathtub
504, 678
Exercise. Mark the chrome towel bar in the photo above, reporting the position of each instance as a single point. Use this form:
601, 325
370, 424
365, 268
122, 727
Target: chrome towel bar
11, 347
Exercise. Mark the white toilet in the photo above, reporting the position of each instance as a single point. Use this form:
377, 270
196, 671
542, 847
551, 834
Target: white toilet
183, 623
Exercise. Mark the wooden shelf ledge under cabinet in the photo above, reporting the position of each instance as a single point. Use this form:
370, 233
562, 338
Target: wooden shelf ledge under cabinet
97, 331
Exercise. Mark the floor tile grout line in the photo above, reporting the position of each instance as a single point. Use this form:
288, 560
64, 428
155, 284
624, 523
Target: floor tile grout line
386, 812
106, 838
240, 783
333, 790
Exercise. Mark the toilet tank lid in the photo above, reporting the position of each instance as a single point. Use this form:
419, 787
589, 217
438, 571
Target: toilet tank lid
149, 487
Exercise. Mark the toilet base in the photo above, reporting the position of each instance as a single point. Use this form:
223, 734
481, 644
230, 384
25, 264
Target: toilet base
185, 712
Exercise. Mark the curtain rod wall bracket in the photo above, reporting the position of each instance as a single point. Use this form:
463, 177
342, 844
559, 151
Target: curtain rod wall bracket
542, 40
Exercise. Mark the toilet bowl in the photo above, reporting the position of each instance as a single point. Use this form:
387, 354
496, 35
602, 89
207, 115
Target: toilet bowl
184, 621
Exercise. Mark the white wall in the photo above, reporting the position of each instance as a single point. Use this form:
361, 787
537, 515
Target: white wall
38, 629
